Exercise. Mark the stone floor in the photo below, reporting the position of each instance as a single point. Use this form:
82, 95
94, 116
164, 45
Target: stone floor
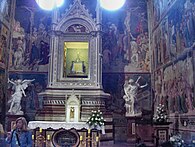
125, 145
119, 145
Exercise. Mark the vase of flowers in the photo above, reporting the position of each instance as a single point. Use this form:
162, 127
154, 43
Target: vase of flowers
161, 115
96, 119
176, 140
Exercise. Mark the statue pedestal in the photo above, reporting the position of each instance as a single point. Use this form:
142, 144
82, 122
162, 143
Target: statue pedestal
161, 132
132, 129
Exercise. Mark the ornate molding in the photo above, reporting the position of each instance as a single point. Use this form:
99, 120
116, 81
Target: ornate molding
78, 11
94, 102
54, 102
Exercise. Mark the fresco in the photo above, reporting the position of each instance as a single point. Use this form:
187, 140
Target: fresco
32, 102
173, 47
2, 88
181, 21
174, 41
159, 8
113, 83
5, 6
176, 83
174, 87
174, 34
125, 39
161, 44
3, 44
30, 44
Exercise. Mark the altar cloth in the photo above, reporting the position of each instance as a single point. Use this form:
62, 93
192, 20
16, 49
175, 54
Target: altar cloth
57, 125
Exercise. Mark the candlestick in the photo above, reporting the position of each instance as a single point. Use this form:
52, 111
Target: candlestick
88, 131
81, 138
48, 137
33, 137
40, 130
97, 138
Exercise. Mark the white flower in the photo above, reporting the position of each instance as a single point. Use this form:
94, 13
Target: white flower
172, 139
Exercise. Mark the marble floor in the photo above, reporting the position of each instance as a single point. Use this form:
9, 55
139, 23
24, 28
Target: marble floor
119, 145
128, 145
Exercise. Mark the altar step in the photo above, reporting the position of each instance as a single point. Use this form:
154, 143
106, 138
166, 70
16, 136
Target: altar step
118, 145
126, 145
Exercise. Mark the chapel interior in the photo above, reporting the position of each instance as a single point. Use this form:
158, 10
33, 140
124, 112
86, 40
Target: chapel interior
84, 76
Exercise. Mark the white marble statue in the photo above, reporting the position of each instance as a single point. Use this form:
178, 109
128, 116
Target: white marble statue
20, 86
131, 88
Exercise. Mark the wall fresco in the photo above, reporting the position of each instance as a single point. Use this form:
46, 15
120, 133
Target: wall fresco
174, 41
125, 39
30, 44
2, 89
5, 6
173, 45
3, 44
174, 34
181, 19
175, 86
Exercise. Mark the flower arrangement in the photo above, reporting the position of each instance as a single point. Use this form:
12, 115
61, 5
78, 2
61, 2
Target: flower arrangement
161, 114
176, 140
96, 119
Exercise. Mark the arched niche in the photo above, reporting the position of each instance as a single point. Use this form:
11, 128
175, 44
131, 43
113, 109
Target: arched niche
73, 109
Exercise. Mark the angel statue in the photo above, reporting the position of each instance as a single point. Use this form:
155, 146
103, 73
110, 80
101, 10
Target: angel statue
20, 86
131, 88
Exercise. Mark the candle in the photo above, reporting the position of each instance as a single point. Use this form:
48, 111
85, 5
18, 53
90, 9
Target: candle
40, 130
88, 131
33, 137
81, 138
97, 138
48, 137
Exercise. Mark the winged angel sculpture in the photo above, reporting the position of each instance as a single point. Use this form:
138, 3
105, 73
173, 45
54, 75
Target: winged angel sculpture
20, 86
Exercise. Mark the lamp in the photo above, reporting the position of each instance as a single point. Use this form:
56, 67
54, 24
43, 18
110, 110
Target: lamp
112, 5
106, 4
49, 4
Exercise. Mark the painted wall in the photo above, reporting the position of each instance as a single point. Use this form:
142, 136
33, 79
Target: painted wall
30, 38
5, 15
2, 89
173, 44
125, 39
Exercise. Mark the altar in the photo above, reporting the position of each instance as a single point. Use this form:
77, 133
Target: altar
74, 134
57, 125
74, 87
